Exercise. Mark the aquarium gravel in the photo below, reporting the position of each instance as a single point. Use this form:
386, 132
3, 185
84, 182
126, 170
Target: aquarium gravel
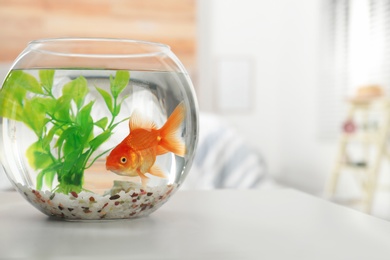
88, 205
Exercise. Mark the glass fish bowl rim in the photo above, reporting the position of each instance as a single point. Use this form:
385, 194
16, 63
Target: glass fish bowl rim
150, 48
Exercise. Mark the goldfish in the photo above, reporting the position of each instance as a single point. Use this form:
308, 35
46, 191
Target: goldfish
136, 154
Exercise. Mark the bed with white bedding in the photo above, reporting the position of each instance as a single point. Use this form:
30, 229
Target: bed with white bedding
223, 159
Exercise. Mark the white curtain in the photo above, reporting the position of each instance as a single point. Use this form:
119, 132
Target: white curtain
356, 35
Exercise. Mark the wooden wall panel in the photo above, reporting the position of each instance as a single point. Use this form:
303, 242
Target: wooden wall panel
171, 22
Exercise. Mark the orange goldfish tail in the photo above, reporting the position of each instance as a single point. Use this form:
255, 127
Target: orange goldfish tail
169, 139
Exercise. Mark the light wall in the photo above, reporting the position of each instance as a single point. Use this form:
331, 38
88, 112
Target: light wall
282, 37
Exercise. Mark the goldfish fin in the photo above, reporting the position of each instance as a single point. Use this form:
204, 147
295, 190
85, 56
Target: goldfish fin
136, 122
156, 171
144, 179
169, 139
161, 150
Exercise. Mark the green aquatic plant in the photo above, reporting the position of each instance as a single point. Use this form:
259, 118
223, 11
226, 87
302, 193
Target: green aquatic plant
66, 143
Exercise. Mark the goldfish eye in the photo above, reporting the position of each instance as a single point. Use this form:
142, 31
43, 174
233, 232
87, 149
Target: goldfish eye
123, 160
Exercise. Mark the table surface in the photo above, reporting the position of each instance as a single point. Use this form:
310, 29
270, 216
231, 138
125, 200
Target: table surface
220, 224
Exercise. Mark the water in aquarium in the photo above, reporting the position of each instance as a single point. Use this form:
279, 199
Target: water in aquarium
84, 142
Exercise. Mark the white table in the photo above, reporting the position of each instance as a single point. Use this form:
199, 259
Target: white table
226, 224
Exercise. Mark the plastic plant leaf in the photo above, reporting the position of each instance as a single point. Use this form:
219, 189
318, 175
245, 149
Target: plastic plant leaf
107, 98
34, 116
47, 78
49, 177
10, 108
82, 159
84, 115
65, 135
12, 99
38, 157
119, 83
102, 123
98, 140
46, 140
13, 91
44, 104
70, 161
62, 109
85, 121
22, 79
77, 89
73, 141
117, 109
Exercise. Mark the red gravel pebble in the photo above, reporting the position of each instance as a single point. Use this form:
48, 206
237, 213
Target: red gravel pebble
114, 197
74, 194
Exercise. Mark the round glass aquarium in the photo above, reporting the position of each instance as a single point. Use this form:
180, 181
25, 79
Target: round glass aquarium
97, 128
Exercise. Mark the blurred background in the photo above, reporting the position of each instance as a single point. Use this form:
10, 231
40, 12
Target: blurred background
276, 76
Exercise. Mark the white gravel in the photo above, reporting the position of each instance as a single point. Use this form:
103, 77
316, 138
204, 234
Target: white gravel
85, 205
